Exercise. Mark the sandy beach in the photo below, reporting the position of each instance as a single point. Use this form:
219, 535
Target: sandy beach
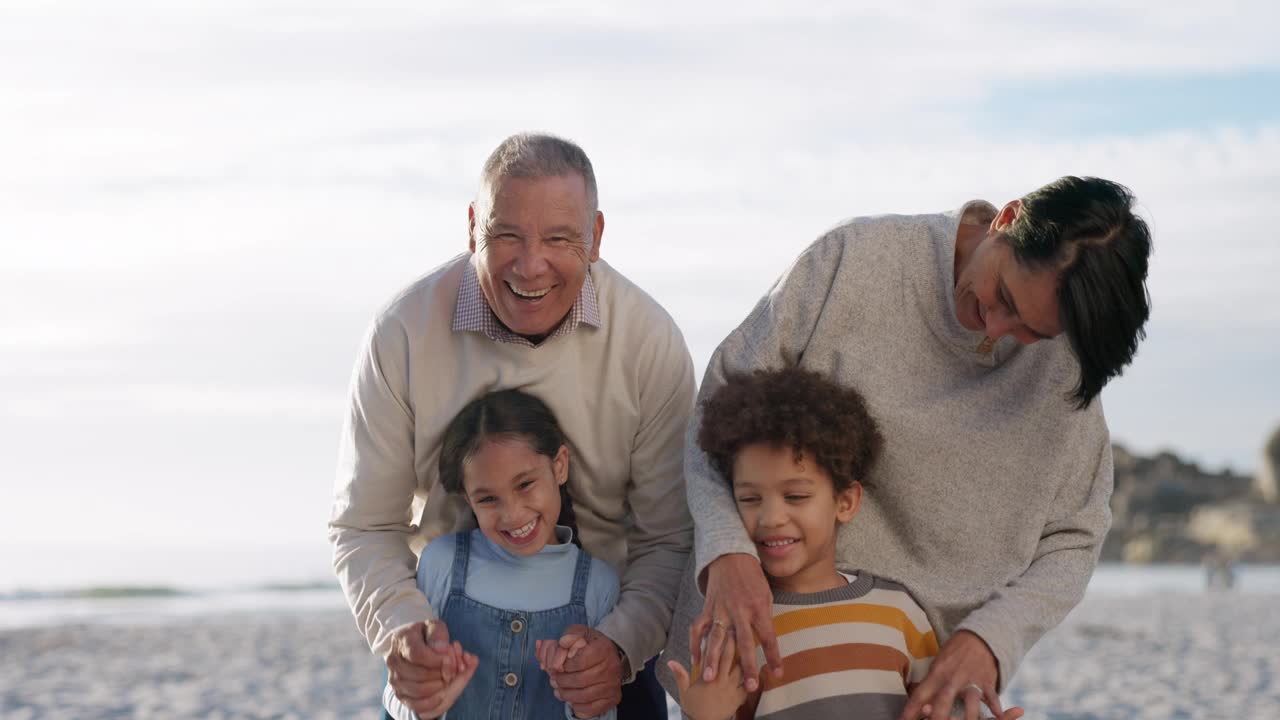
1149, 656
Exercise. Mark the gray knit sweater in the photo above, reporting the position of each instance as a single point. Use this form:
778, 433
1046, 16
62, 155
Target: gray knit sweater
990, 501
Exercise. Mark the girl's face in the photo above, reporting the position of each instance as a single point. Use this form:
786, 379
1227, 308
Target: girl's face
515, 492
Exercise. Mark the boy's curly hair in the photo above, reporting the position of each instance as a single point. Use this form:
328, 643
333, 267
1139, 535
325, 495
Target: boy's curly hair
791, 408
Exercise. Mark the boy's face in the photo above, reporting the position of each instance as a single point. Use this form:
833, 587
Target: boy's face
791, 510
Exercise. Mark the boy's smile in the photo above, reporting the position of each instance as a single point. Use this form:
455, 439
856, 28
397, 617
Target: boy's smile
791, 510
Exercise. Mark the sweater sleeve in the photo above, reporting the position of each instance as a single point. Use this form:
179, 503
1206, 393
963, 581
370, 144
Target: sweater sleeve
370, 525
1018, 614
660, 529
774, 335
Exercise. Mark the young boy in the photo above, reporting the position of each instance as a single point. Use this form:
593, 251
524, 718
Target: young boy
796, 449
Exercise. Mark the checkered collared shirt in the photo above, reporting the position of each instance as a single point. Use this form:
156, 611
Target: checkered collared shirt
473, 314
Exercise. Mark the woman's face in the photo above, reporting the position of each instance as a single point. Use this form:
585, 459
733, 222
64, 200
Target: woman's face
997, 295
514, 492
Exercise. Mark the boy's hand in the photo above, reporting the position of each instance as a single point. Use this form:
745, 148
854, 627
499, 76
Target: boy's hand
716, 699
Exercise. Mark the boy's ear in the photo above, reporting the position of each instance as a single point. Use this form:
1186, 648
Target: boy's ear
847, 502
560, 465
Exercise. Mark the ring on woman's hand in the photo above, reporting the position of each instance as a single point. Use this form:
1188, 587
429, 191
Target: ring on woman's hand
720, 623
975, 686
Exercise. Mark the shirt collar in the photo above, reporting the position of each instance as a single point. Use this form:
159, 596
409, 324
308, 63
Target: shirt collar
473, 314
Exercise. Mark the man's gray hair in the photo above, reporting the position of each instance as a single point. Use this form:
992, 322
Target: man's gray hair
535, 155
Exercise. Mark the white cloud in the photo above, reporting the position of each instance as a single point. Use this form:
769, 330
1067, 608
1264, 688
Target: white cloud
202, 204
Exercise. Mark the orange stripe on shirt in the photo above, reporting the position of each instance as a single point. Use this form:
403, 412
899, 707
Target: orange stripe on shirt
920, 645
836, 658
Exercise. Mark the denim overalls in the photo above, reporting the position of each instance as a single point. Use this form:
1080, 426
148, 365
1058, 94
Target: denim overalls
508, 684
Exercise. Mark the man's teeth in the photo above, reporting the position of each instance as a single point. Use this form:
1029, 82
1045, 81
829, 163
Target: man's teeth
531, 294
778, 543
521, 532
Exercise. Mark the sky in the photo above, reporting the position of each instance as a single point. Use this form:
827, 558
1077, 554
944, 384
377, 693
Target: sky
202, 205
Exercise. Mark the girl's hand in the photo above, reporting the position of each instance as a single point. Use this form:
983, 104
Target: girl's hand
717, 699
551, 654
465, 664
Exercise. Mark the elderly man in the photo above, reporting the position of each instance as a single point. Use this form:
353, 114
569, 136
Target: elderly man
980, 340
529, 306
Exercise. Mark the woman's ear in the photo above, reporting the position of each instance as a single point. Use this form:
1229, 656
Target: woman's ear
1007, 215
560, 465
847, 502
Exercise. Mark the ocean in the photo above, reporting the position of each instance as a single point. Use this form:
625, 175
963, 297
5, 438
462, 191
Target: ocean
50, 586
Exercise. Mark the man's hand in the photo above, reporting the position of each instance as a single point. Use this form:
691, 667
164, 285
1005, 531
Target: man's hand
590, 676
715, 699
739, 604
423, 666
965, 670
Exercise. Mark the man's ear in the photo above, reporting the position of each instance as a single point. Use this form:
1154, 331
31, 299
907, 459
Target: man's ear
597, 231
471, 227
847, 502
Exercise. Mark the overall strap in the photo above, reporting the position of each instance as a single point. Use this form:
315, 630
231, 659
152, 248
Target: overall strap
461, 553
580, 574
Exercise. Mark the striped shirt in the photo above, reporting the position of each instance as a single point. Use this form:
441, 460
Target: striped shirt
848, 652
473, 314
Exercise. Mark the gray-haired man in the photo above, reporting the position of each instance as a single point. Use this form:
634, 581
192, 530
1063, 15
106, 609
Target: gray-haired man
530, 306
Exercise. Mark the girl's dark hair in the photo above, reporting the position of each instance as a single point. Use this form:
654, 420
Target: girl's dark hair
505, 414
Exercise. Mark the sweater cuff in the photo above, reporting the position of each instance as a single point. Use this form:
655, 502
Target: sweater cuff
396, 618
615, 630
711, 545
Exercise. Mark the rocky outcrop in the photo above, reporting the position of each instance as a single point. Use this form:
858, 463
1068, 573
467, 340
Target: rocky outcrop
1166, 509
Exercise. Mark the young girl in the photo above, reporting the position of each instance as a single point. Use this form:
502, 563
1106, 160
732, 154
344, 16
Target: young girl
519, 579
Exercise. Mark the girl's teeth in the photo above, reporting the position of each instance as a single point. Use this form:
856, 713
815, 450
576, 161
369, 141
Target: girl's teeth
523, 531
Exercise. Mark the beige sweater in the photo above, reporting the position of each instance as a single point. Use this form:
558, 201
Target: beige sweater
623, 393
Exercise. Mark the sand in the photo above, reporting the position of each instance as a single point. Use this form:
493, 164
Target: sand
1183, 656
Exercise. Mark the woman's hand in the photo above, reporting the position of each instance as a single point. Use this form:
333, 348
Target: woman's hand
739, 608
964, 670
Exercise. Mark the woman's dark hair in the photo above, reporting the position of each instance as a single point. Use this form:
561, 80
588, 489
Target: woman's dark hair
791, 408
1085, 230
505, 414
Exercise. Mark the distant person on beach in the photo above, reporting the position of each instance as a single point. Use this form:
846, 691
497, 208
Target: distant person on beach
980, 340
510, 589
532, 306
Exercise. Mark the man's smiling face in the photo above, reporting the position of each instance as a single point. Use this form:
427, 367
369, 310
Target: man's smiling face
533, 250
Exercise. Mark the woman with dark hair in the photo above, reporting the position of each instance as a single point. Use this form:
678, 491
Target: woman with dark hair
980, 340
